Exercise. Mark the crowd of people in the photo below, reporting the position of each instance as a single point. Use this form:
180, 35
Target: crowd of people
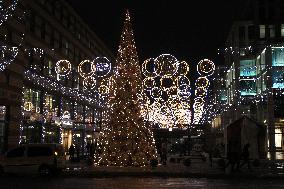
74, 153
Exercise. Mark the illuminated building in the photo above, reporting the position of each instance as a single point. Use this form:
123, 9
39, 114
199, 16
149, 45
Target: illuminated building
38, 102
254, 56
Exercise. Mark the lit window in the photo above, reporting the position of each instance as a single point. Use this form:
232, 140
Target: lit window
49, 68
262, 31
282, 30
271, 31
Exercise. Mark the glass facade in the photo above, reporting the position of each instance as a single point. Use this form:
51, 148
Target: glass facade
247, 68
248, 87
277, 56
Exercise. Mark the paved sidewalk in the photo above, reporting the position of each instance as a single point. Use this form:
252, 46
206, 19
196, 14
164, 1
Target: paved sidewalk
197, 169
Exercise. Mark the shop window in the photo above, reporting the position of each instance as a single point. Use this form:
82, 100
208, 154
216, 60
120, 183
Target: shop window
32, 101
278, 138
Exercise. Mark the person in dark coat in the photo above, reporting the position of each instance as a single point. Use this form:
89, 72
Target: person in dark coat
245, 156
164, 154
71, 152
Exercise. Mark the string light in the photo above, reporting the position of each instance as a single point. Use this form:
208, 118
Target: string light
7, 12
8, 55
63, 67
126, 139
166, 83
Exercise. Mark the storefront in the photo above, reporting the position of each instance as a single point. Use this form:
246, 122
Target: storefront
32, 118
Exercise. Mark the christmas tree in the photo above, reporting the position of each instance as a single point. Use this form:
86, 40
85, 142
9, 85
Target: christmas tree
126, 140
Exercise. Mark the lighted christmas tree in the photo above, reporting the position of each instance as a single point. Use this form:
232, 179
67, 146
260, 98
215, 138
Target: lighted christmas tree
126, 140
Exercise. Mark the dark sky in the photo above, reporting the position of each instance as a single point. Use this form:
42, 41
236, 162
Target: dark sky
188, 29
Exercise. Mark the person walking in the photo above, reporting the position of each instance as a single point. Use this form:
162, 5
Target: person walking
164, 154
71, 151
245, 156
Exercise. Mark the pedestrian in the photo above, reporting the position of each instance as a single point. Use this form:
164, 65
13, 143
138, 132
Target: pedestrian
92, 150
211, 158
231, 156
71, 151
164, 154
88, 147
78, 153
245, 156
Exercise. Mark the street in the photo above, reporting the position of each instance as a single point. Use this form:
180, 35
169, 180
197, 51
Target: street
137, 183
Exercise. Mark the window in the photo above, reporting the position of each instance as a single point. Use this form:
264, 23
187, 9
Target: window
247, 68
43, 30
242, 33
66, 47
262, 31
282, 30
277, 56
251, 32
50, 66
17, 152
248, 87
35, 151
271, 31
32, 22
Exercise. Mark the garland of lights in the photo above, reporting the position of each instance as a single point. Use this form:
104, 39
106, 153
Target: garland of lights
166, 83
126, 139
5, 13
205, 68
8, 55
63, 67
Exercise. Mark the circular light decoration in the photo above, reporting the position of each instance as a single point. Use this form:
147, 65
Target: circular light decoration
63, 67
102, 66
183, 68
182, 80
148, 83
202, 82
83, 67
28, 106
183, 92
168, 64
89, 83
205, 67
156, 93
172, 92
200, 92
151, 68
167, 82
199, 100
103, 90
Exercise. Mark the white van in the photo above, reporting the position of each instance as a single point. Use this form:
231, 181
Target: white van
44, 159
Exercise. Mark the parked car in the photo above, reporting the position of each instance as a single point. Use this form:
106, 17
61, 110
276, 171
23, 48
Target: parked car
44, 159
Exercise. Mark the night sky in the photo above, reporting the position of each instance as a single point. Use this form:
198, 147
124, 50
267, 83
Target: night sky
189, 30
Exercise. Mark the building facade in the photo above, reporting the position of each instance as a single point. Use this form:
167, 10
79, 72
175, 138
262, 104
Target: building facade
43, 99
253, 77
